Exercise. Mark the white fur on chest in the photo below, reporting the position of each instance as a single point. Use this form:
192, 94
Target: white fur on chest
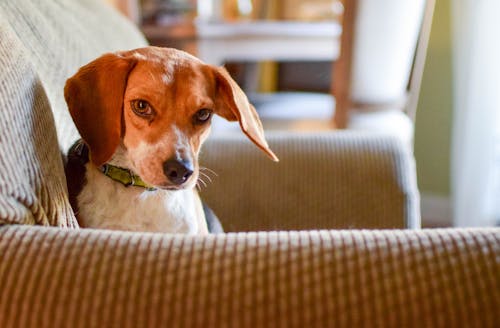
107, 204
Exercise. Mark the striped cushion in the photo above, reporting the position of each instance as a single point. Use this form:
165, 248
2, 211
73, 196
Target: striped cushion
83, 278
323, 181
32, 183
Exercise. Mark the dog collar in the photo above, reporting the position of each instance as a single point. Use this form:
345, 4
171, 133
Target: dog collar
124, 176
80, 152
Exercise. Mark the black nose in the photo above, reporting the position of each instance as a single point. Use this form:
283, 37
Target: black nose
177, 171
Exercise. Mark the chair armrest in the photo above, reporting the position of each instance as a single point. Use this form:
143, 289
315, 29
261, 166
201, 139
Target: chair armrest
329, 180
88, 278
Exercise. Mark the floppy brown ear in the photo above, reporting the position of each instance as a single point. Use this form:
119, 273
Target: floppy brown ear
233, 104
95, 99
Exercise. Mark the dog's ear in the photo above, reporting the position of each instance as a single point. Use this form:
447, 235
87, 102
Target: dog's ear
233, 105
95, 99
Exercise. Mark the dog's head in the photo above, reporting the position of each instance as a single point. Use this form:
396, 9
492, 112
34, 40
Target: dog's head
157, 103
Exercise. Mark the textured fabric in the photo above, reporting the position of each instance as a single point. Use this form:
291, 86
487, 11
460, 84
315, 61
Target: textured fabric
69, 278
62, 35
323, 181
52, 277
32, 184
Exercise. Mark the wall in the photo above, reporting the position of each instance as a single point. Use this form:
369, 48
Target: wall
434, 118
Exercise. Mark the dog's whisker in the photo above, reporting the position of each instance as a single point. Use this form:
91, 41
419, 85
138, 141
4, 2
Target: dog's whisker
207, 176
201, 183
209, 170
204, 183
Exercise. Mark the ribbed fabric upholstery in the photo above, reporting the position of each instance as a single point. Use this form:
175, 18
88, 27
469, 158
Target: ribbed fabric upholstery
435, 278
62, 35
323, 181
53, 277
32, 182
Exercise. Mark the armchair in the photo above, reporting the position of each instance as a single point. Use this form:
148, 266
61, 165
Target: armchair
54, 274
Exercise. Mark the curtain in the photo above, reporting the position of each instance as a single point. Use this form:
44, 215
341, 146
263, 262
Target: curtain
476, 67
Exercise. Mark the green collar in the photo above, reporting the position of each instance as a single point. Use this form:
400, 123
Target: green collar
124, 176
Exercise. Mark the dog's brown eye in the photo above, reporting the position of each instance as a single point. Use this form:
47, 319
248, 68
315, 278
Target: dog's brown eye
202, 116
141, 107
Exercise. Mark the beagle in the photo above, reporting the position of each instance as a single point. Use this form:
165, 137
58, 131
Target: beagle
143, 115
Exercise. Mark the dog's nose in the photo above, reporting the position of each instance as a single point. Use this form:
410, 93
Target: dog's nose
178, 171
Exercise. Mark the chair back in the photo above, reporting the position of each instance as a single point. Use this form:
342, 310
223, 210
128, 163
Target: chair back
383, 48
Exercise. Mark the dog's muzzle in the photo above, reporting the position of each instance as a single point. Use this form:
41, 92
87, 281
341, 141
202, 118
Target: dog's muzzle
178, 171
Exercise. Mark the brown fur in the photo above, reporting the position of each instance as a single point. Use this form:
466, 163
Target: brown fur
113, 80
176, 85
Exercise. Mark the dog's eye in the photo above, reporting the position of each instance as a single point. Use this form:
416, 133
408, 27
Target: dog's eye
141, 107
202, 116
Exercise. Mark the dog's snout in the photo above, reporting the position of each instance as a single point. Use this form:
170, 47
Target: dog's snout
178, 171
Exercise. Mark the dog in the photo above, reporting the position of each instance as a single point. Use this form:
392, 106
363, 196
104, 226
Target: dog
143, 116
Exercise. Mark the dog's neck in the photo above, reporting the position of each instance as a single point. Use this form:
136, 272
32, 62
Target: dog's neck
120, 169
120, 158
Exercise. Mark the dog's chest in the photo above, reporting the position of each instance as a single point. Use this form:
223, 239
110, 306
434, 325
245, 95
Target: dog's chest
106, 204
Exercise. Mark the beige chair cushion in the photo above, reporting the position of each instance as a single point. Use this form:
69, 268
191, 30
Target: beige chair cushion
32, 182
327, 180
87, 278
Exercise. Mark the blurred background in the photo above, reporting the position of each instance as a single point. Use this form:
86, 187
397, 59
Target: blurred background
454, 128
